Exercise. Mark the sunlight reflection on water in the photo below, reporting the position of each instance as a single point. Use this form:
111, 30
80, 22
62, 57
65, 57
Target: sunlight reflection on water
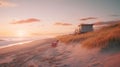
20, 43
10, 41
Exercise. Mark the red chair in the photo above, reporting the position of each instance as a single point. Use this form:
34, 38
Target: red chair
54, 44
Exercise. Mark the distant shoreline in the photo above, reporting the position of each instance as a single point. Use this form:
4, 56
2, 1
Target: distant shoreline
24, 45
18, 43
10, 41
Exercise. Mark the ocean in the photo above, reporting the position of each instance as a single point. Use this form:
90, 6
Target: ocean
7, 41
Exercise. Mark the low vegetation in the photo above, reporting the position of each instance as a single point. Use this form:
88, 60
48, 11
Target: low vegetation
72, 38
106, 37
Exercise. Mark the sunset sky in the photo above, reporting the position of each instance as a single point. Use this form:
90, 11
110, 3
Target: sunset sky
53, 17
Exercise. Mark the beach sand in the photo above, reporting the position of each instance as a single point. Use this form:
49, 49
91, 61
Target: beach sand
40, 53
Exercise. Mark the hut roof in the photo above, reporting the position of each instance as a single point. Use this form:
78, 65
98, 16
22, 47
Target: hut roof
85, 25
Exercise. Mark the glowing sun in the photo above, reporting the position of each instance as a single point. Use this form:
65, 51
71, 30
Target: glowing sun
22, 33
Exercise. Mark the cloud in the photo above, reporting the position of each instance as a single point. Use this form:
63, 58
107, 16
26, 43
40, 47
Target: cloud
5, 3
62, 24
30, 20
50, 33
88, 18
107, 22
114, 15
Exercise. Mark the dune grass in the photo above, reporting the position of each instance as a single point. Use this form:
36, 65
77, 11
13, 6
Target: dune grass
105, 37
74, 38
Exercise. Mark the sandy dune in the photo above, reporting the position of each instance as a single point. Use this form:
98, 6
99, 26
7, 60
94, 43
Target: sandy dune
40, 53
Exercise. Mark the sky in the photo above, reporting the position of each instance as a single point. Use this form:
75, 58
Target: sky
53, 17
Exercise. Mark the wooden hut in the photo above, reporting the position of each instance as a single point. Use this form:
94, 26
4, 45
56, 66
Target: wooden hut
83, 28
